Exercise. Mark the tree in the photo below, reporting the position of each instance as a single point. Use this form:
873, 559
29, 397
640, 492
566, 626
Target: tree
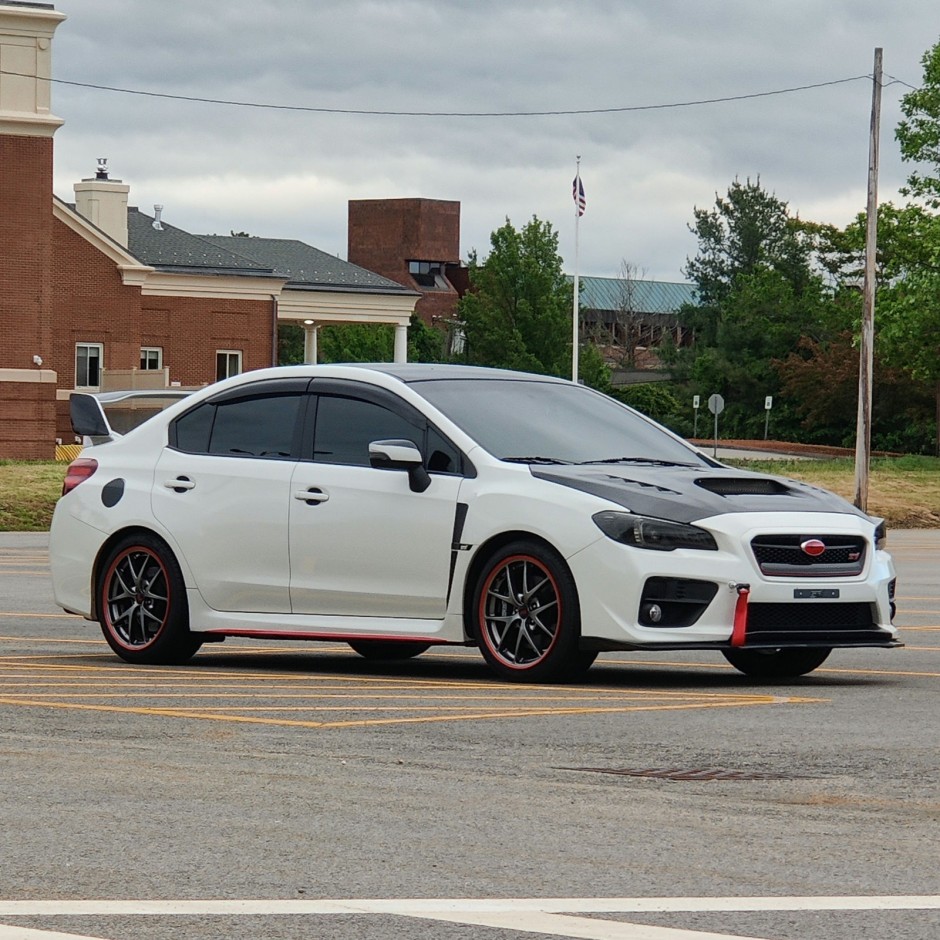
919, 133
517, 314
747, 230
908, 312
620, 336
912, 303
758, 295
360, 342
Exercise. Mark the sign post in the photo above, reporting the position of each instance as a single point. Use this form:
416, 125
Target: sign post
768, 404
696, 401
716, 405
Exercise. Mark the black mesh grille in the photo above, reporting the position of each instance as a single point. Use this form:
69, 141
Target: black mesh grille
814, 624
782, 617
782, 556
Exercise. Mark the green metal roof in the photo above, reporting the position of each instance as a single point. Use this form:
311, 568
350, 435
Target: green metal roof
638, 296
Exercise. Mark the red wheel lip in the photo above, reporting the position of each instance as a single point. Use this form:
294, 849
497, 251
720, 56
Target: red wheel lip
482, 615
105, 611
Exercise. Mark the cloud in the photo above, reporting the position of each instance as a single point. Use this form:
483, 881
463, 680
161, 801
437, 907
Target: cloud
290, 173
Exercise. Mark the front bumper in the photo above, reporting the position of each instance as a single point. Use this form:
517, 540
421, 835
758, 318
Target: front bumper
617, 585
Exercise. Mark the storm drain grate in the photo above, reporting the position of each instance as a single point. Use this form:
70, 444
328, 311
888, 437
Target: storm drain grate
684, 773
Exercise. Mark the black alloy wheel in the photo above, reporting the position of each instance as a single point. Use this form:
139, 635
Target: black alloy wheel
142, 605
526, 616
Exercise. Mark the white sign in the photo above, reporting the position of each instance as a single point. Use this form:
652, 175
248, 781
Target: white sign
769, 402
696, 401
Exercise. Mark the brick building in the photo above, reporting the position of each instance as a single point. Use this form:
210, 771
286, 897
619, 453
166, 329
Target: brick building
415, 242
98, 291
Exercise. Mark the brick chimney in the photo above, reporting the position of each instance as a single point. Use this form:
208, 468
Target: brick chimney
103, 202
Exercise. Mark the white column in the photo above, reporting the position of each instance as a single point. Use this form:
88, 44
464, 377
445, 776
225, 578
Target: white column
310, 344
401, 343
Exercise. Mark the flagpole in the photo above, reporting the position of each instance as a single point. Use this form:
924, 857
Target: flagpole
575, 313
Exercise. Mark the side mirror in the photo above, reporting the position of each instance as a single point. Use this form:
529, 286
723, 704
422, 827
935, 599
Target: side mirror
401, 455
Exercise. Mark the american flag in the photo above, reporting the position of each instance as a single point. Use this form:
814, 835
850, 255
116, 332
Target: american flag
577, 192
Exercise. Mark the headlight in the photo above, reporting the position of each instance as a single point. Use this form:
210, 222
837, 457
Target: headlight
657, 534
881, 535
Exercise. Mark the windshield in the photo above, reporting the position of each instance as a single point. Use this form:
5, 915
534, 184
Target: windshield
546, 422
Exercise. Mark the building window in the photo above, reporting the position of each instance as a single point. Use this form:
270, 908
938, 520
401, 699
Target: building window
428, 274
228, 362
88, 357
151, 358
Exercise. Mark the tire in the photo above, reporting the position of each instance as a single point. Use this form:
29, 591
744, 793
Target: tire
142, 605
526, 616
387, 650
779, 663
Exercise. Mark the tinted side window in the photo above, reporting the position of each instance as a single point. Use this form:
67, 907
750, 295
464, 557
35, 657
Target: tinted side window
442, 456
255, 427
346, 426
192, 430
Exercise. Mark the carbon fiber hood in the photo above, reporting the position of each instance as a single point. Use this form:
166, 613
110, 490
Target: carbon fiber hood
687, 494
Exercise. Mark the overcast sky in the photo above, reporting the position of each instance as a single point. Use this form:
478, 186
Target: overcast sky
289, 174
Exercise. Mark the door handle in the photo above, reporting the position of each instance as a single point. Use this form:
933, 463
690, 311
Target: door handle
180, 484
312, 496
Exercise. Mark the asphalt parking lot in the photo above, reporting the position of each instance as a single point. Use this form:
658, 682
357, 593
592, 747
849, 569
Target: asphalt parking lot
295, 790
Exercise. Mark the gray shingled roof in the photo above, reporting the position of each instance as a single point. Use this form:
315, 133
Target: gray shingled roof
608, 293
306, 267
171, 249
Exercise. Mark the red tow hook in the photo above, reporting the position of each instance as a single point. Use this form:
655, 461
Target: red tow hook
740, 614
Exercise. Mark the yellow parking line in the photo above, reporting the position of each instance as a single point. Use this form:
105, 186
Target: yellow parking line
397, 697
469, 716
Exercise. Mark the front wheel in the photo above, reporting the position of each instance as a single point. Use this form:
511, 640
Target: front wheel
777, 663
142, 605
526, 616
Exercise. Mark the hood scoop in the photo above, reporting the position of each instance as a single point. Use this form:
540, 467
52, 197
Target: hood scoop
743, 486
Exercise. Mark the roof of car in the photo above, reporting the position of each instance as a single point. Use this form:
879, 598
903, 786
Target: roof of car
424, 371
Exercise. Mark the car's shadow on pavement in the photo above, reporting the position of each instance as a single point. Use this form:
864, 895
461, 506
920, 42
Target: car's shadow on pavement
464, 666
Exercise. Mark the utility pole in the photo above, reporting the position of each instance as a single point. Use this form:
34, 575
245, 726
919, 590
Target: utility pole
866, 352
578, 193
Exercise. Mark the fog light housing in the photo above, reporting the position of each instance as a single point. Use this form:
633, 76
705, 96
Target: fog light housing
674, 602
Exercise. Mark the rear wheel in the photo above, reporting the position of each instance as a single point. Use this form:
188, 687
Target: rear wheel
526, 616
777, 663
385, 650
142, 605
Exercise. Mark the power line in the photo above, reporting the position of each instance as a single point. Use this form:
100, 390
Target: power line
898, 81
452, 114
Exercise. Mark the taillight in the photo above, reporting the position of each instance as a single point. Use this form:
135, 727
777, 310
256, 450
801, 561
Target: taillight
79, 470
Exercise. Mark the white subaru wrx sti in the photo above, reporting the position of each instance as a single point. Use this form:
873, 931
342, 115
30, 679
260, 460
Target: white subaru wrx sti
398, 506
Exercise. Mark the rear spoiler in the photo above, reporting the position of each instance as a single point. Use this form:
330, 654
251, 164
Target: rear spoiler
90, 422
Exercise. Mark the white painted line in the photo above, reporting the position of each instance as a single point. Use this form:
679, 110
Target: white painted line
580, 928
26, 933
545, 916
421, 906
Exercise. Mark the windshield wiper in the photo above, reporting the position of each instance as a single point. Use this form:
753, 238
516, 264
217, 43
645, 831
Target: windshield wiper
650, 460
534, 460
